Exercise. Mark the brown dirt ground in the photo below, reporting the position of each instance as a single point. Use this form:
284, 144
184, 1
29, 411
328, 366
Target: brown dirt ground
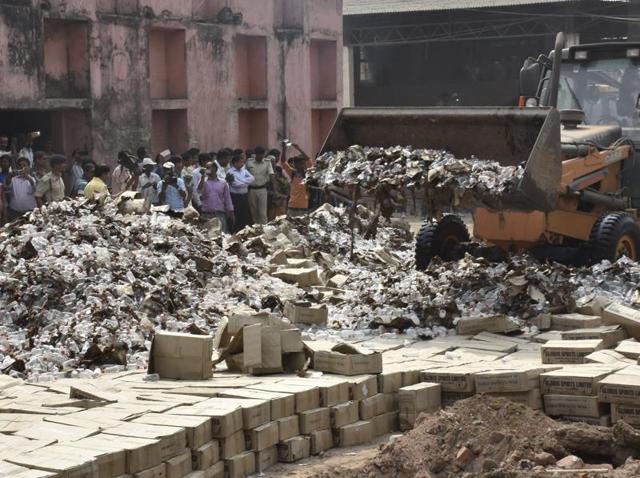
504, 440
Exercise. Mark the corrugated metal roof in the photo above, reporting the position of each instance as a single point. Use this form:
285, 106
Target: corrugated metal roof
368, 7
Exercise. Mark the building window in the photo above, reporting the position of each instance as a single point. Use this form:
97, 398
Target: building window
167, 64
366, 75
324, 70
66, 59
251, 67
253, 128
169, 130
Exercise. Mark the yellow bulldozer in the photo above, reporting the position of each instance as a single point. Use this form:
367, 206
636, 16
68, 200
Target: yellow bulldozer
573, 132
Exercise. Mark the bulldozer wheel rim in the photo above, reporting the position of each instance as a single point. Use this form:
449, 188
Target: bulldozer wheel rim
450, 242
626, 247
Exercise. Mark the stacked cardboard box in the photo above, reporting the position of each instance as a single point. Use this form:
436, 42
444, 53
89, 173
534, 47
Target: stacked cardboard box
621, 390
415, 399
569, 351
572, 392
520, 384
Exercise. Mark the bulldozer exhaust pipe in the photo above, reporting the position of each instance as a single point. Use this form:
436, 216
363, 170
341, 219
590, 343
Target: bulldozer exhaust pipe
555, 73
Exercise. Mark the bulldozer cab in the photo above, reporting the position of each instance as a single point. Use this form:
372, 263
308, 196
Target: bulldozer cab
603, 81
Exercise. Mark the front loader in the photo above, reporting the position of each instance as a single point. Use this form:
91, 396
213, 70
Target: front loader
577, 198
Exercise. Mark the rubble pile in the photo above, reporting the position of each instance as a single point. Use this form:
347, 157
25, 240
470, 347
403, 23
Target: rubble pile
408, 168
487, 436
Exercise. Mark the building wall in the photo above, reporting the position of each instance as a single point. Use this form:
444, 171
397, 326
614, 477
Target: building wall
115, 74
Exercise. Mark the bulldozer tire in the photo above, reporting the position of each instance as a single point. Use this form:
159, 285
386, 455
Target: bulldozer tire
615, 234
440, 239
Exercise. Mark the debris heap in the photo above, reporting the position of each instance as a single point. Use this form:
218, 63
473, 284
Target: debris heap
409, 169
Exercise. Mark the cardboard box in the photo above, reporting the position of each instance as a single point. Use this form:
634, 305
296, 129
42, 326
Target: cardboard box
346, 359
629, 348
307, 396
378, 404
266, 458
573, 405
159, 471
450, 398
140, 453
216, 471
306, 277
390, 381
363, 386
64, 466
495, 323
618, 314
385, 424
232, 445
108, 464
313, 420
241, 465
621, 388
574, 321
629, 414
306, 313
179, 466
452, 379
568, 351
420, 397
531, 398
262, 437
197, 429
206, 456
181, 356
173, 440
291, 340
603, 421
344, 414
331, 391
592, 304
294, 449
542, 321
321, 440
513, 380
609, 334
608, 357
252, 346
575, 380
282, 404
288, 427
226, 415
353, 434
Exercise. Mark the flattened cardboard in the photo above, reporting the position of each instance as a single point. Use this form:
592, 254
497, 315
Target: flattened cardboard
629, 348
181, 356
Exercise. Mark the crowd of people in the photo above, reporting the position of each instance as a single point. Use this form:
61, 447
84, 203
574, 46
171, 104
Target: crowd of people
238, 187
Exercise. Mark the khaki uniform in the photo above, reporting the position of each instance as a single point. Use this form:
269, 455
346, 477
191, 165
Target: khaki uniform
258, 193
50, 188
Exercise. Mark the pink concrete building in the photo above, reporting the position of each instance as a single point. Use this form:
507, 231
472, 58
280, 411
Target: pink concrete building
114, 74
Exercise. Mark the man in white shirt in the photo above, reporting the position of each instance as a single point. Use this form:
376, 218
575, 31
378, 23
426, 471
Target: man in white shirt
148, 180
239, 187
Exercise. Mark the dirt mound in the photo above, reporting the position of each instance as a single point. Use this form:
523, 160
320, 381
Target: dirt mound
495, 438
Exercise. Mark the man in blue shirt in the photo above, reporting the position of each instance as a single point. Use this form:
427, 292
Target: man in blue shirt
171, 190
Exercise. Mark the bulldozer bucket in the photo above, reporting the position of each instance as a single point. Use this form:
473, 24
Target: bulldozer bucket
510, 136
